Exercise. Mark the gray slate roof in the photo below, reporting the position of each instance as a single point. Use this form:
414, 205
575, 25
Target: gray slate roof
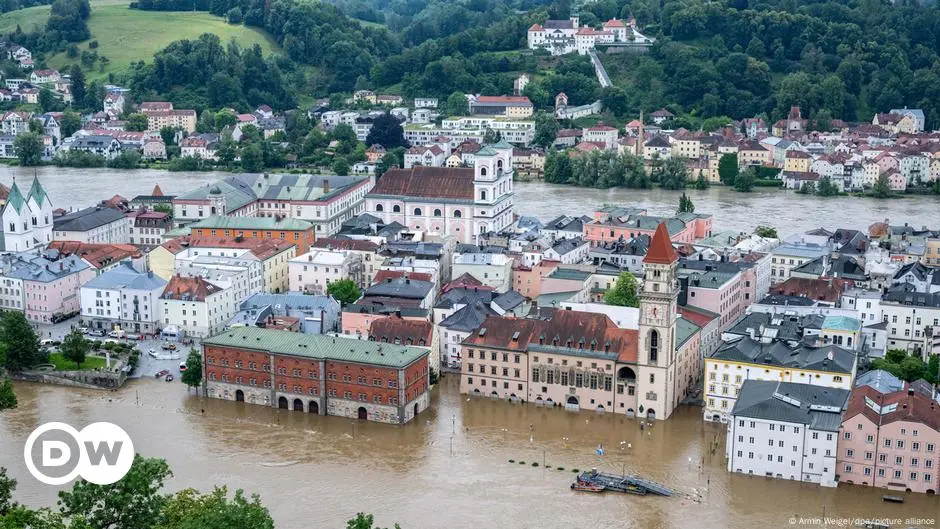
125, 276
86, 219
779, 354
816, 407
468, 318
401, 288
880, 380
509, 300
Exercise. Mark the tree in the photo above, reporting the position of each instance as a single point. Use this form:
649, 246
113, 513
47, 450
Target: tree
47, 101
136, 122
546, 128
188, 509
134, 502
456, 105
744, 182
77, 76
7, 401
364, 521
21, 345
673, 173
624, 292
192, 377
252, 158
700, 183
728, 168
28, 147
168, 135
768, 232
345, 291
340, 166
386, 162
35, 126
826, 188
685, 204
808, 188
881, 189
69, 123
7, 486
75, 347
386, 131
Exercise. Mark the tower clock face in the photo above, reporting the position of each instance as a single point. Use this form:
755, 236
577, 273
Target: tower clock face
655, 314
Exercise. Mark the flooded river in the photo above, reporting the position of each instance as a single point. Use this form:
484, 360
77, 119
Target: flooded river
447, 469
785, 210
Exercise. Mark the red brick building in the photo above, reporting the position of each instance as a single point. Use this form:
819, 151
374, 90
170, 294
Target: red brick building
319, 374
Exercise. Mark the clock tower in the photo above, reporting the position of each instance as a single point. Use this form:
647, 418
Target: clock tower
656, 346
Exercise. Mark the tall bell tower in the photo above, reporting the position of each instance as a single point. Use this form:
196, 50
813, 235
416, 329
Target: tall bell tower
656, 346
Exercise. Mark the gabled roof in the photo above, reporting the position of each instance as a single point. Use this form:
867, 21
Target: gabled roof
817, 407
661, 250
36, 191
419, 181
15, 198
189, 289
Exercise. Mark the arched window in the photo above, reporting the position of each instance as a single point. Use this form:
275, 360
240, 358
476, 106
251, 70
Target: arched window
482, 171
396, 209
417, 212
437, 213
499, 166
379, 208
457, 214
483, 195
654, 346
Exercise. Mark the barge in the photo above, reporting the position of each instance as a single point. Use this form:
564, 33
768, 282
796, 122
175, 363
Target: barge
626, 484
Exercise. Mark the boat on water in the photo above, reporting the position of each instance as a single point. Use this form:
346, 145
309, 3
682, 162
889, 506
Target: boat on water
586, 487
893, 499
626, 484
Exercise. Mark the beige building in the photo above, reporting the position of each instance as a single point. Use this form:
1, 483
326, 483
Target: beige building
797, 162
751, 152
162, 114
685, 145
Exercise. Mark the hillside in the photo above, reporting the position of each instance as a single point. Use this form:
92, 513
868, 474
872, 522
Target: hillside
127, 35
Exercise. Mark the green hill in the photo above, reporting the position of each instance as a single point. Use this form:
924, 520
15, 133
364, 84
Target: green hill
127, 35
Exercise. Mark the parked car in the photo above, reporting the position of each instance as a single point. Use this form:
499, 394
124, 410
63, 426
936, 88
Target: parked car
167, 346
83, 330
117, 334
182, 367
49, 342
152, 352
162, 373
97, 332
134, 337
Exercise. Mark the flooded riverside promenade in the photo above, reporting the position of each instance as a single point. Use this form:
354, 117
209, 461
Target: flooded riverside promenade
449, 468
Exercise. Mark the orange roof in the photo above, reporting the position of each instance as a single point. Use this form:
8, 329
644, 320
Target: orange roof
394, 329
661, 251
157, 192
382, 275
614, 23
189, 289
535, 27
97, 255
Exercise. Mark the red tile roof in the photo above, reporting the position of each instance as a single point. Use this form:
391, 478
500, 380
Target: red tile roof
336, 243
261, 248
97, 255
157, 192
911, 406
394, 329
430, 182
513, 100
382, 275
661, 251
829, 290
466, 280
189, 288
614, 23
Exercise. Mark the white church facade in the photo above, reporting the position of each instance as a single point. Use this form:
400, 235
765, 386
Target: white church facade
27, 221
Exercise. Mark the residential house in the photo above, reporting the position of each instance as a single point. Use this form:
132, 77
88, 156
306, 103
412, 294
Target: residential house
123, 298
196, 307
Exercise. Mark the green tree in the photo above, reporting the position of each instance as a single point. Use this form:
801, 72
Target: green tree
168, 135
224, 118
744, 182
252, 158
7, 486
340, 166
386, 131
808, 188
386, 162
546, 128
700, 183
768, 232
364, 521
28, 147
35, 126
188, 509
164, 208
47, 101
206, 122
227, 150
75, 348
77, 77
728, 168
624, 292
826, 188
345, 291
192, 377
134, 502
69, 123
7, 401
673, 173
685, 204
456, 105
136, 122
22, 347
881, 189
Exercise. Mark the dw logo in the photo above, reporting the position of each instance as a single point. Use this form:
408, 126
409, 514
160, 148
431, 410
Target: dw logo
56, 453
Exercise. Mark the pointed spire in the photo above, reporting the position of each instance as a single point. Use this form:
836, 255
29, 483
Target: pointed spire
660, 250
37, 192
15, 199
157, 192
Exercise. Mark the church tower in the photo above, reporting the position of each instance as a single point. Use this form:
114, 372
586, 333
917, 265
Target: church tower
40, 211
17, 230
656, 346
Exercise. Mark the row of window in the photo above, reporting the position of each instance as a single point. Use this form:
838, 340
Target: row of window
379, 208
897, 474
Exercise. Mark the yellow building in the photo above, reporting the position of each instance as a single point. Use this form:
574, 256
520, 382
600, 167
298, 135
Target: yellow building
686, 146
752, 153
798, 162
180, 119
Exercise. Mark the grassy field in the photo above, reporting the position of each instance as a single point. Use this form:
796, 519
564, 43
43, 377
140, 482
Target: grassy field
127, 35
61, 364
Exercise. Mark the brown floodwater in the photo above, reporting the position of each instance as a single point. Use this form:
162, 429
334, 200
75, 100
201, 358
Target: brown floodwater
449, 468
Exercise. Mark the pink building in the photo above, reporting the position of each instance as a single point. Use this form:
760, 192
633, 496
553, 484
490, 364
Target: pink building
890, 440
718, 292
51, 288
610, 225
358, 319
